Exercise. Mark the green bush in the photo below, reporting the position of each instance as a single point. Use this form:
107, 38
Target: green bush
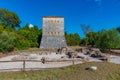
72, 39
27, 37
7, 41
21, 42
108, 39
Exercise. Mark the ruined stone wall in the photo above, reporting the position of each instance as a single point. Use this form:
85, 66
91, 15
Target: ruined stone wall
53, 33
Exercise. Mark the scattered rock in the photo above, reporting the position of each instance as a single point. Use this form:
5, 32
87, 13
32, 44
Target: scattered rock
92, 68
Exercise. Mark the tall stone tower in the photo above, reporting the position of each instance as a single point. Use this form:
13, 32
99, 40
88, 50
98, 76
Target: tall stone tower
53, 32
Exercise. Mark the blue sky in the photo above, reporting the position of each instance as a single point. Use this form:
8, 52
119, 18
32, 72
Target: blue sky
99, 14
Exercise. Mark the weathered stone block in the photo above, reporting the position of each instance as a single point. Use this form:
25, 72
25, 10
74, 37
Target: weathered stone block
53, 32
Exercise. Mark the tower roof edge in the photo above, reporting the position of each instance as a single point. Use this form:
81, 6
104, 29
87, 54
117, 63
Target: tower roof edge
53, 17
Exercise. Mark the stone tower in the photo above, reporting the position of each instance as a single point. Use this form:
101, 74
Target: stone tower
53, 32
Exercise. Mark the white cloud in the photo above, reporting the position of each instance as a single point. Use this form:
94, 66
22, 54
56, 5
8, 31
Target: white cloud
30, 25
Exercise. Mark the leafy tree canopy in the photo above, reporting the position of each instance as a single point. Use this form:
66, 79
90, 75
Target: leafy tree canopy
92, 38
109, 39
72, 39
8, 18
7, 41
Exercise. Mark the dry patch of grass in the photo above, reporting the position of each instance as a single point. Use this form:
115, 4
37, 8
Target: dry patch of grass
105, 71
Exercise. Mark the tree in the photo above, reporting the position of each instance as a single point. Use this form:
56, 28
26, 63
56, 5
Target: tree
109, 39
7, 41
8, 18
72, 39
77, 39
1, 29
92, 38
28, 37
118, 29
69, 39
86, 29
39, 37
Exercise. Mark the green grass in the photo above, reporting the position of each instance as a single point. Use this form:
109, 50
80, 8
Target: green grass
105, 71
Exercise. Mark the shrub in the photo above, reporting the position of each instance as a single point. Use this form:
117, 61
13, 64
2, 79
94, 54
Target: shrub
7, 41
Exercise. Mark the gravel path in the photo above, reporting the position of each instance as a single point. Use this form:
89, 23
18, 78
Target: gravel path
15, 66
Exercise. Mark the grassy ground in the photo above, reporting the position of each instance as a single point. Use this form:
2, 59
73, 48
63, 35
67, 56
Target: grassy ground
106, 71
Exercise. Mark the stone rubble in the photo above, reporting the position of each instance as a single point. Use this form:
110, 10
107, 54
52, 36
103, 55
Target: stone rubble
48, 56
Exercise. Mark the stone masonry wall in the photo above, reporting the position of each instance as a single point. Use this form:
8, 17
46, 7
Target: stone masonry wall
53, 33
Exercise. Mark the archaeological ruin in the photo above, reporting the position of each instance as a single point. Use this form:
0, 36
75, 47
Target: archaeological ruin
53, 32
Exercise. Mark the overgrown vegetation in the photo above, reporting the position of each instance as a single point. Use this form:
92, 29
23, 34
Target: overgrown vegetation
105, 71
108, 39
72, 39
14, 37
8, 18
105, 39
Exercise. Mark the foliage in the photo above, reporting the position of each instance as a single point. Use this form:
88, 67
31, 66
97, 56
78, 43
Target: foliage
27, 37
92, 38
8, 18
109, 39
6, 41
86, 30
21, 42
118, 29
1, 29
72, 39
84, 41
22, 38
